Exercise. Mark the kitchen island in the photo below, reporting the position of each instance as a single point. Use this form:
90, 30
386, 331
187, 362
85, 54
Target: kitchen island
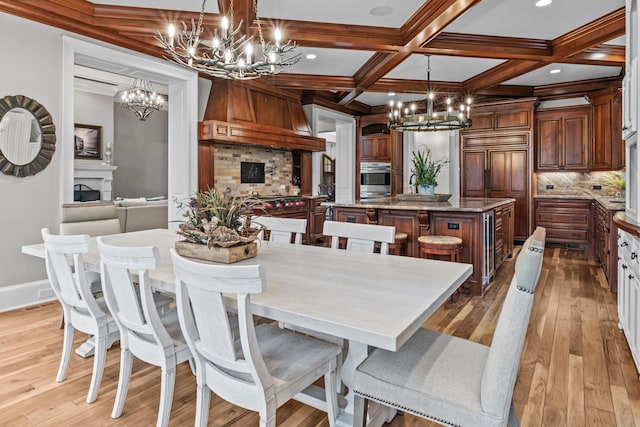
484, 225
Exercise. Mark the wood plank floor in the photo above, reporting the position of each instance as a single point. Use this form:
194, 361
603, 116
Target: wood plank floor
576, 367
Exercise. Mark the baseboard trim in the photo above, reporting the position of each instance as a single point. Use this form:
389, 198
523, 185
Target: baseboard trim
25, 294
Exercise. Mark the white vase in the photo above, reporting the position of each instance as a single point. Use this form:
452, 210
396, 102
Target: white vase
426, 189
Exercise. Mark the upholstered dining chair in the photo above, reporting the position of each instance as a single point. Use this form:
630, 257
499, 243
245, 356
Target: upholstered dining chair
92, 218
262, 370
81, 309
360, 237
282, 229
451, 380
144, 333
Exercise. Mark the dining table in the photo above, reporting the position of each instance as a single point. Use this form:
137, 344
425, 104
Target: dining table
367, 299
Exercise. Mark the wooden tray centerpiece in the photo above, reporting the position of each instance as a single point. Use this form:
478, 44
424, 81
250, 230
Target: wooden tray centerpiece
216, 230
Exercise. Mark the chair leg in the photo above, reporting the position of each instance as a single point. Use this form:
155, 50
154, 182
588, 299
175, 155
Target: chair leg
67, 342
166, 396
203, 400
126, 363
99, 356
331, 395
268, 413
359, 411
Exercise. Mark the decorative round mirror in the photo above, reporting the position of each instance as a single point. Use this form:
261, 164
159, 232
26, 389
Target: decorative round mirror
27, 136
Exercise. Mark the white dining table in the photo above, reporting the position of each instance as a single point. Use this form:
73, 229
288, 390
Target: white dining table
371, 300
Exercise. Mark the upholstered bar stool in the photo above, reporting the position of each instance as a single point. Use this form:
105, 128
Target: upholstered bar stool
399, 245
450, 246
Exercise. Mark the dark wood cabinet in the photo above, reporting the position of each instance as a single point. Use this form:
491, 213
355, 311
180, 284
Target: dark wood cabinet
497, 171
568, 221
496, 158
376, 143
605, 244
206, 177
315, 222
301, 171
607, 147
563, 139
356, 215
503, 236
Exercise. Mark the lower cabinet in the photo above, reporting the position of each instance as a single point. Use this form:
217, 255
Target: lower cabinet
604, 244
315, 222
568, 221
629, 291
503, 233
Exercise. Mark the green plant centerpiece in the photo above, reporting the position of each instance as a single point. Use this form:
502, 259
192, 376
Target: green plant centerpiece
426, 171
219, 220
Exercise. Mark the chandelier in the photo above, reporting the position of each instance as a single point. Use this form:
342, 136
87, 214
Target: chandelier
141, 99
228, 54
409, 119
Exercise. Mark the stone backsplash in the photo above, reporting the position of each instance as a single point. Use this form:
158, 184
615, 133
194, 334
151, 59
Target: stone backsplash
277, 169
577, 184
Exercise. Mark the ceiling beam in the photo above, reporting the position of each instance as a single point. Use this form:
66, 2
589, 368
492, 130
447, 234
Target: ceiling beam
480, 46
311, 82
562, 90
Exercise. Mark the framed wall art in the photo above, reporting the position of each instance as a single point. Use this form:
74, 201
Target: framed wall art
87, 141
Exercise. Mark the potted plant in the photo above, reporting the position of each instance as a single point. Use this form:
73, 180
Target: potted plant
426, 171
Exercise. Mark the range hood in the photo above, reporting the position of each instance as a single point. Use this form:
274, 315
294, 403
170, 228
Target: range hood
256, 114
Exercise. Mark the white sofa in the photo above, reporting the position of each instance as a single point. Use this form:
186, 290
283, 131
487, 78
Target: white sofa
142, 214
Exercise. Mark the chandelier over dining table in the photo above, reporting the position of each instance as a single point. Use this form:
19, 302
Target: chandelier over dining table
229, 53
411, 118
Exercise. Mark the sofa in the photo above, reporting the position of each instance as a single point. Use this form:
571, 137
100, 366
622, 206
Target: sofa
142, 214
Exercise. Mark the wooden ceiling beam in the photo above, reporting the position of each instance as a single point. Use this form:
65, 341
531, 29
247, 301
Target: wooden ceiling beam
479, 46
328, 100
311, 82
414, 86
562, 90
590, 35
501, 73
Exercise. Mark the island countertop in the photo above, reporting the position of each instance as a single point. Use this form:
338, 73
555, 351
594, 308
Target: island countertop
463, 204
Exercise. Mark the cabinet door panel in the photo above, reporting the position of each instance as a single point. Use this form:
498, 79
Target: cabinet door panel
500, 165
473, 164
549, 139
576, 131
601, 135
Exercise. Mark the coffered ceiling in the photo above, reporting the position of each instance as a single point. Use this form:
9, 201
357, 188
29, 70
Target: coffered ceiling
367, 48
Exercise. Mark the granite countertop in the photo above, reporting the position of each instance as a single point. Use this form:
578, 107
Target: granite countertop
608, 202
465, 204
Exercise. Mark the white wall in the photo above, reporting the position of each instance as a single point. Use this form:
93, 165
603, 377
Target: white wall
443, 145
31, 67
97, 110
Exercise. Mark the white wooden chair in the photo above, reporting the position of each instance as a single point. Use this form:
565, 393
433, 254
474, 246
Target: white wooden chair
268, 366
81, 309
144, 333
360, 237
281, 229
451, 380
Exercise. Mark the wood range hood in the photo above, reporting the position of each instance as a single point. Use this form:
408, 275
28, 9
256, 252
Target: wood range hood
257, 114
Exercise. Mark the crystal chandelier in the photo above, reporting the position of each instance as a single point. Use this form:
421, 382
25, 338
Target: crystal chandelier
409, 119
141, 99
228, 54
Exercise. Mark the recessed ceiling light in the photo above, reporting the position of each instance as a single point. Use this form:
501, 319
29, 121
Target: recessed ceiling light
598, 55
542, 3
380, 11
391, 94
311, 56
555, 71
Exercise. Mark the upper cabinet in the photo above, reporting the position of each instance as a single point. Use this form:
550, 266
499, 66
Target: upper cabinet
376, 143
607, 151
505, 117
562, 139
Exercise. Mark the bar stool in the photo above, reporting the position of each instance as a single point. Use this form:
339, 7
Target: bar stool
399, 245
441, 245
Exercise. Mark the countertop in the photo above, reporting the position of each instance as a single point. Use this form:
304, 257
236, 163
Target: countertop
609, 203
464, 204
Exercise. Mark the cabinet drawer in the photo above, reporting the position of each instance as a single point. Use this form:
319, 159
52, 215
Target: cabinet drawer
570, 219
562, 204
567, 235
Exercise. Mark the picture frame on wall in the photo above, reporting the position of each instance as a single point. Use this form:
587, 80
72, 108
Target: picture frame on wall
87, 141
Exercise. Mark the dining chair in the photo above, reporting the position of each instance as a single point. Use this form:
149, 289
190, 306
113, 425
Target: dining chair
282, 229
262, 370
451, 380
144, 333
92, 218
360, 237
81, 309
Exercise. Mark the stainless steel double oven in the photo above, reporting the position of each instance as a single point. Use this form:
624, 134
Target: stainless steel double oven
375, 180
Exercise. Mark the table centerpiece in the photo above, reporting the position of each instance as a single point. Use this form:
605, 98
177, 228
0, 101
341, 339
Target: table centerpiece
217, 227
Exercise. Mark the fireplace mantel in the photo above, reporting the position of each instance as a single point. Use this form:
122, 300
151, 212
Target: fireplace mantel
98, 177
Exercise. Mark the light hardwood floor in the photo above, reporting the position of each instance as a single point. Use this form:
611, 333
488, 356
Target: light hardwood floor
576, 367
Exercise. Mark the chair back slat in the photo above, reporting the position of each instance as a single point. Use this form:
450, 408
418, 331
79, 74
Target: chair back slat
501, 368
65, 269
281, 229
138, 316
203, 316
360, 237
